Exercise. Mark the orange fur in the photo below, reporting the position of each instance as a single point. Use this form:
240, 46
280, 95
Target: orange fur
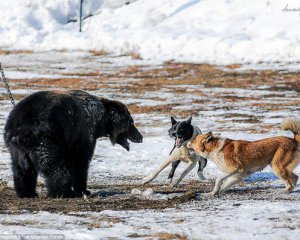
239, 157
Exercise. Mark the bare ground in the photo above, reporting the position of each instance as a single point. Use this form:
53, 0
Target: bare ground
119, 197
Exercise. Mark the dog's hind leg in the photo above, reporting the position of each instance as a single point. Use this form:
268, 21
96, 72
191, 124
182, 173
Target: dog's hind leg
202, 164
236, 178
294, 179
184, 173
284, 175
174, 166
290, 167
283, 169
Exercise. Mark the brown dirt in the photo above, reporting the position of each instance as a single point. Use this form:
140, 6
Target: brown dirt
118, 197
7, 52
98, 52
113, 197
160, 236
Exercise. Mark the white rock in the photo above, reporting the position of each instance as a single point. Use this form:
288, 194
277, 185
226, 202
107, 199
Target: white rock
136, 191
10, 184
148, 192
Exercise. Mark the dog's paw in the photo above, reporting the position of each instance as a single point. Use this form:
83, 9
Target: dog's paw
173, 185
147, 179
284, 191
213, 193
203, 196
201, 176
168, 183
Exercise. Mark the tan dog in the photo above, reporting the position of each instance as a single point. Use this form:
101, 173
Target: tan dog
239, 158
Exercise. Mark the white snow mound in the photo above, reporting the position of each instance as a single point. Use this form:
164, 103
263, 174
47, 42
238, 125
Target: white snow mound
210, 31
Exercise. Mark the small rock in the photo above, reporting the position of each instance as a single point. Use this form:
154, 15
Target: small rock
136, 191
148, 192
10, 184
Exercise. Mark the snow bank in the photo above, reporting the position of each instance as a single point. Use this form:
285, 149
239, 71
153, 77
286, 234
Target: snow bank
210, 31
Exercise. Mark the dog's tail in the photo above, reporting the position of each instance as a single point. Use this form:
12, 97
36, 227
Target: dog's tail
293, 125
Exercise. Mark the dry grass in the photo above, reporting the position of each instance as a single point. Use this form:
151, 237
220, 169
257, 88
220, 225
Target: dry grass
160, 236
162, 109
167, 236
7, 52
2, 186
134, 55
182, 74
16, 96
113, 197
141, 82
233, 66
19, 223
98, 53
63, 83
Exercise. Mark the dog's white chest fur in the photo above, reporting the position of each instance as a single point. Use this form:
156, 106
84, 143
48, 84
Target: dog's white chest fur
186, 156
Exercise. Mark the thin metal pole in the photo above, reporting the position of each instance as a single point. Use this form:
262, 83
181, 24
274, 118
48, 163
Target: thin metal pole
80, 14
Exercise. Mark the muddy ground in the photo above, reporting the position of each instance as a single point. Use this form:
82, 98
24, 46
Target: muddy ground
119, 197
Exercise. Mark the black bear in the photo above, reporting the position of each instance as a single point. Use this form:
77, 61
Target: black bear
54, 133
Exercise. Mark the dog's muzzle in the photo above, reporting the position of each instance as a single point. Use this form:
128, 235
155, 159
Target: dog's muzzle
189, 143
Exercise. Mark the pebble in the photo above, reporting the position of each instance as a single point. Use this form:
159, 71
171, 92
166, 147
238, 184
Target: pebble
136, 191
148, 192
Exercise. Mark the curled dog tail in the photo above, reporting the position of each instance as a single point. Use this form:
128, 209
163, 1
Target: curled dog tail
293, 125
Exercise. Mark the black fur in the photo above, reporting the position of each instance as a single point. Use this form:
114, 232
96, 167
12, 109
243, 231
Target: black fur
184, 131
54, 133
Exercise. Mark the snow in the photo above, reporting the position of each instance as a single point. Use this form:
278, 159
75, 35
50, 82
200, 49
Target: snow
208, 31
247, 219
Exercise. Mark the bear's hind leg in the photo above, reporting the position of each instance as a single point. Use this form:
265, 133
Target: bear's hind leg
24, 173
59, 181
80, 177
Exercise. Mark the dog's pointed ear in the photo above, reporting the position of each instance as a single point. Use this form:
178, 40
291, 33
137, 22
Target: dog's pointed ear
173, 121
189, 120
208, 136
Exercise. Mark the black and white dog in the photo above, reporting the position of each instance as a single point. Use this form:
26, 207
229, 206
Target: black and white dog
182, 132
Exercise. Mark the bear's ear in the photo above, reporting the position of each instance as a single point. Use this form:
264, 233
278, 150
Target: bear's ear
173, 121
189, 120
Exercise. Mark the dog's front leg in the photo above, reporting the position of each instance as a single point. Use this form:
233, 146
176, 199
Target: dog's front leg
202, 164
219, 182
235, 178
174, 166
173, 157
190, 166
